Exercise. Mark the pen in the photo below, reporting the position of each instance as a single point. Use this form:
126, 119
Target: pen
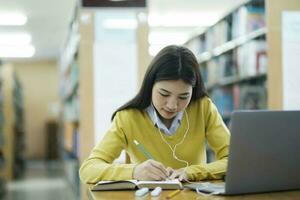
142, 149
172, 194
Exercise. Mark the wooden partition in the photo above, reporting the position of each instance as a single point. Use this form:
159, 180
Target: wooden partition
86, 89
274, 40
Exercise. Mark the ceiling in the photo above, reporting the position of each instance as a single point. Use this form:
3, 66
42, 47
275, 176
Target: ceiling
48, 21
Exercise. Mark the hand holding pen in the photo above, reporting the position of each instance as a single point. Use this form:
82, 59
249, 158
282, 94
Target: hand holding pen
179, 174
150, 169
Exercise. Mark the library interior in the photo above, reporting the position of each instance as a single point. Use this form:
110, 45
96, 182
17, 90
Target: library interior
67, 66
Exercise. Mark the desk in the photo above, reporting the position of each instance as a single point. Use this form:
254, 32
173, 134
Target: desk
191, 195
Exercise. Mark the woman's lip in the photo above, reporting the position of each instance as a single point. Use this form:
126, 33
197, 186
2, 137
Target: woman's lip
170, 113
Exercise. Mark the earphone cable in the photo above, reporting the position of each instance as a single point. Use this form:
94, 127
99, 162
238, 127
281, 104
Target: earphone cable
173, 150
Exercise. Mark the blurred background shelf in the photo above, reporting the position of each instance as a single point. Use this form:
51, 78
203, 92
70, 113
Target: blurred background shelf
230, 45
233, 59
235, 80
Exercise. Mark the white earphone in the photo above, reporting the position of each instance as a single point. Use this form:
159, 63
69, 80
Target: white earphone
183, 138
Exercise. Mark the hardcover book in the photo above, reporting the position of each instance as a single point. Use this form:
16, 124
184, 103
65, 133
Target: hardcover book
134, 184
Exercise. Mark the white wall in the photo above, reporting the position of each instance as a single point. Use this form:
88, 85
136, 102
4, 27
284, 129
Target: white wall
290, 59
115, 67
39, 80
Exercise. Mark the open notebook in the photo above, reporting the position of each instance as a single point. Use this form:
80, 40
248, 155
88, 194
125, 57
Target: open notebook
133, 184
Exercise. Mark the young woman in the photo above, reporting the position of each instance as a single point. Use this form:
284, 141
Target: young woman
171, 117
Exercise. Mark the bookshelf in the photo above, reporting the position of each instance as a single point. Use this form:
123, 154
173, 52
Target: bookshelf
12, 132
230, 45
265, 84
223, 60
235, 80
69, 99
69, 88
232, 55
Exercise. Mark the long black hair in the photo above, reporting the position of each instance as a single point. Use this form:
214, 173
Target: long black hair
171, 63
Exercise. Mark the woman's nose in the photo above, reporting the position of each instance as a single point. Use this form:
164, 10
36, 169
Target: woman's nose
172, 104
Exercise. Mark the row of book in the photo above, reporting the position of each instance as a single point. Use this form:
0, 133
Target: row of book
69, 95
11, 151
244, 20
251, 58
247, 60
218, 69
2, 162
248, 18
1, 116
69, 92
239, 97
233, 60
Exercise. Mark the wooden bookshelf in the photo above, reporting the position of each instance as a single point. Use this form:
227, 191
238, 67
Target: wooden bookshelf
230, 45
232, 58
8, 114
69, 88
12, 127
236, 80
270, 79
69, 122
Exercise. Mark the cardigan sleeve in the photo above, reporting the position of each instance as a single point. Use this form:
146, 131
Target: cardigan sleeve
99, 165
218, 138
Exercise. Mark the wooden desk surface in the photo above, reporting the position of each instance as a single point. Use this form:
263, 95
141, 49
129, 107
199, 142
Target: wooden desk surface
188, 195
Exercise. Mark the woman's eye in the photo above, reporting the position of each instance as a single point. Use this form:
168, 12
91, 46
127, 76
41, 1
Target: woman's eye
183, 98
164, 95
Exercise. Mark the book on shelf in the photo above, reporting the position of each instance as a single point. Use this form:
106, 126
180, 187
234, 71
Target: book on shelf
247, 18
220, 68
250, 97
204, 73
134, 184
213, 72
196, 44
223, 99
227, 66
220, 33
217, 35
252, 58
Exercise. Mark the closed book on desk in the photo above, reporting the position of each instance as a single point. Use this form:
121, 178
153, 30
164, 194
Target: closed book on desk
134, 184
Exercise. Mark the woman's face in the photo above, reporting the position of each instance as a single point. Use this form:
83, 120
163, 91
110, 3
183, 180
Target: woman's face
170, 97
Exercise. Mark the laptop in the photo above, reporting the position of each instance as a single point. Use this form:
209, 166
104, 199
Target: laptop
264, 154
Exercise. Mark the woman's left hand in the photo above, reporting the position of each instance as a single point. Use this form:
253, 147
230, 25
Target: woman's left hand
180, 174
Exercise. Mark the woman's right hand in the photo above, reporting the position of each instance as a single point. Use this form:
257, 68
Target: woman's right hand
150, 170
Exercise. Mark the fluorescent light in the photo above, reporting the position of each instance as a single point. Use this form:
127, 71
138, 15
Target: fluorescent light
184, 19
12, 19
119, 23
15, 39
16, 51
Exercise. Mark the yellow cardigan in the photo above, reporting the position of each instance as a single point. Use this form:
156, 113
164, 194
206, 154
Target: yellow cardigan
132, 124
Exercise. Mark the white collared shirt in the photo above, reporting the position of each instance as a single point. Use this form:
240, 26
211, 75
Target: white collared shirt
159, 124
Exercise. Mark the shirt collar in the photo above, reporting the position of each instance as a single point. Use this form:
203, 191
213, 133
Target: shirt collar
157, 121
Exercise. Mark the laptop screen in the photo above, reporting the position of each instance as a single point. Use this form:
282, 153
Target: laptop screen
264, 153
